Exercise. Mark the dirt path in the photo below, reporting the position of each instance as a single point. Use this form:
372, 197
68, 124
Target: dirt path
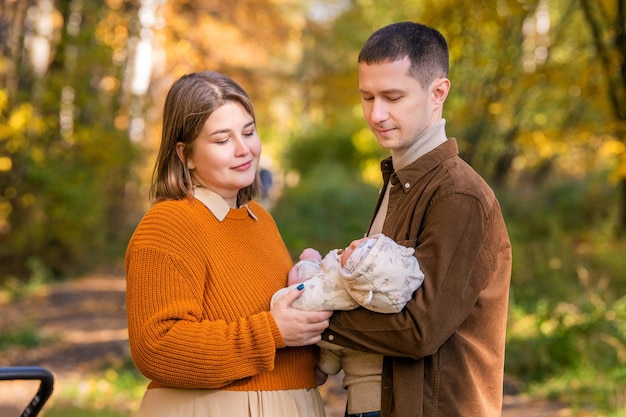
83, 325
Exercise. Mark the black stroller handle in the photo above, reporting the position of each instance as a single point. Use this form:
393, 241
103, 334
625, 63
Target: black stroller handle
31, 373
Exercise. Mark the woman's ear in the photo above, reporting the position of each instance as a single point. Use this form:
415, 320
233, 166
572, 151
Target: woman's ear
180, 151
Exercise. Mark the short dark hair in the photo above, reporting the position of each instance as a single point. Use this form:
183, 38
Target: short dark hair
189, 103
426, 48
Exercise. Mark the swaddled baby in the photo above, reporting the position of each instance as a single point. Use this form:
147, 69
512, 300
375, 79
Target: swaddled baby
374, 272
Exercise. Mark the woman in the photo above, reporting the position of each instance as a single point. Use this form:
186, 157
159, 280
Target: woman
199, 282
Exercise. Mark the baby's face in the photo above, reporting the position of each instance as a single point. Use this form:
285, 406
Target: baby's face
348, 251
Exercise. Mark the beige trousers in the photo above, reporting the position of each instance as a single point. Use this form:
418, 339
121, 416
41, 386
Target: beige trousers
166, 402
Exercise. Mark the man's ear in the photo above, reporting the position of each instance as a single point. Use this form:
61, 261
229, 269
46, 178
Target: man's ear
440, 89
180, 151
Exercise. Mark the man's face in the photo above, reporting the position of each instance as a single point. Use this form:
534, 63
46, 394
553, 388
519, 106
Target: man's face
395, 105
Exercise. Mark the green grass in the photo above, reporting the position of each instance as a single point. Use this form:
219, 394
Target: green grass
72, 411
115, 393
26, 337
587, 390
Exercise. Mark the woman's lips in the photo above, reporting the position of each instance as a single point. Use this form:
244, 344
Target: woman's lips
243, 167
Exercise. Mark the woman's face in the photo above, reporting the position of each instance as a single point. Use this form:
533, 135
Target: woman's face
225, 156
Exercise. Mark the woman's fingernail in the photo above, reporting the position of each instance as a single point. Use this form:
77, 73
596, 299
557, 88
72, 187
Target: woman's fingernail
300, 287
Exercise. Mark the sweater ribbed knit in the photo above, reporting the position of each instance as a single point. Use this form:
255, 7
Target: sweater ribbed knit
198, 296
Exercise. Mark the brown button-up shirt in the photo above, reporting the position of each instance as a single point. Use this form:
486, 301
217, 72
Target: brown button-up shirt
444, 353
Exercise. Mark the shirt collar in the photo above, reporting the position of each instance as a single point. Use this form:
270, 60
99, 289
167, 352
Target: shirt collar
412, 173
216, 204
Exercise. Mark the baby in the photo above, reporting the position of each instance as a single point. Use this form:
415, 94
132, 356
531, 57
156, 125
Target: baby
375, 273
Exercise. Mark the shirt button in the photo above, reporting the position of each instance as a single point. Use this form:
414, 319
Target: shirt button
331, 337
407, 185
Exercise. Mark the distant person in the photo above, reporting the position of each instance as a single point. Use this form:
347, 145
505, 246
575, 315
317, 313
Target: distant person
444, 352
198, 281
266, 182
373, 272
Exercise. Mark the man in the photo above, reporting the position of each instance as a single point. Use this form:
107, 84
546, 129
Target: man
444, 353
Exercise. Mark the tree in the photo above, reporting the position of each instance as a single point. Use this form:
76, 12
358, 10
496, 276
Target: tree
606, 21
66, 153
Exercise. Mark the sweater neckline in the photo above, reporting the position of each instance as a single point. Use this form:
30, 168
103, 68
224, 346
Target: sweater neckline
425, 142
217, 205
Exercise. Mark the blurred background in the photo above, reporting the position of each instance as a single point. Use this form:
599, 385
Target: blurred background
538, 105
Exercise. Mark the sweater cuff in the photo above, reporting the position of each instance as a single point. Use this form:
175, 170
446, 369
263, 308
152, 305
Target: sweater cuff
278, 338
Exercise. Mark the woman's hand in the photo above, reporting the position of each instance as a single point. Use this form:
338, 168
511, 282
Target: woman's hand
298, 327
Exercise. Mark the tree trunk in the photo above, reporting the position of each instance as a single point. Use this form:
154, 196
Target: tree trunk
621, 225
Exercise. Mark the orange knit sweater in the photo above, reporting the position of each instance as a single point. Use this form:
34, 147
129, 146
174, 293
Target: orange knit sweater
198, 296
